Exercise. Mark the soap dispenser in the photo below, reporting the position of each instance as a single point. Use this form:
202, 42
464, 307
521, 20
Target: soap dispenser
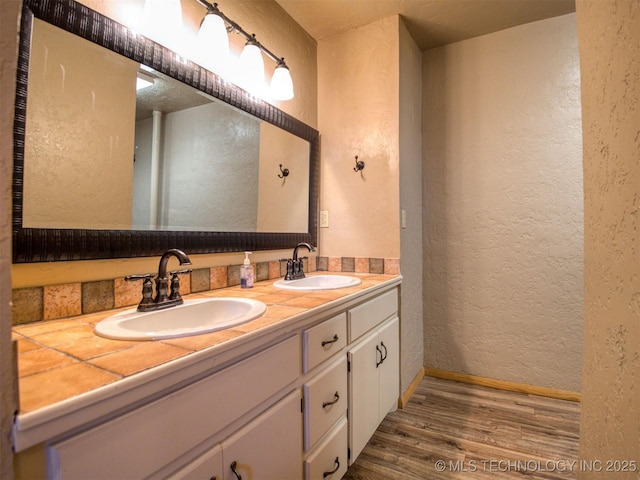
246, 272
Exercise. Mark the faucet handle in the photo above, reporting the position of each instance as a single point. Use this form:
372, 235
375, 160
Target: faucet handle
147, 288
175, 286
143, 276
290, 268
178, 272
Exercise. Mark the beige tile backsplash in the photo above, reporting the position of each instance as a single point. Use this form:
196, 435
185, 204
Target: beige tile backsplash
50, 302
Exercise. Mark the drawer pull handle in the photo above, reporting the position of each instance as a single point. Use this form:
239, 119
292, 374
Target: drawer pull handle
233, 466
336, 397
385, 352
337, 462
329, 342
381, 359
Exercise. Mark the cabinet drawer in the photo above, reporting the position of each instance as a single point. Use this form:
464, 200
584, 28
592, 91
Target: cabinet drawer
157, 434
323, 340
325, 398
366, 316
329, 460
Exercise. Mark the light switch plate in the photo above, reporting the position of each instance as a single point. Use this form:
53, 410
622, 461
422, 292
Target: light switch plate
324, 218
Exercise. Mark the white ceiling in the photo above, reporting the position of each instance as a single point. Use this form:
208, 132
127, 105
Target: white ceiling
431, 22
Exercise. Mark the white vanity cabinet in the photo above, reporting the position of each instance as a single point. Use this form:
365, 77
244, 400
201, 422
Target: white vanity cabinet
367, 368
374, 369
299, 402
150, 438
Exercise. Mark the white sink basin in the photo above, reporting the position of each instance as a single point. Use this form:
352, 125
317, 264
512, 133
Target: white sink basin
193, 317
318, 282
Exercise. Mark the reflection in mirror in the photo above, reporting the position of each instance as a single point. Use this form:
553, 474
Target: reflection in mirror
194, 163
79, 136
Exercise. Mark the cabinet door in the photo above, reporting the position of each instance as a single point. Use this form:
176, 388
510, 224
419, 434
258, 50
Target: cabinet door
269, 447
373, 383
389, 369
364, 409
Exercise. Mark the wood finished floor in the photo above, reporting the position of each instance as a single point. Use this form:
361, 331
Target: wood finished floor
478, 432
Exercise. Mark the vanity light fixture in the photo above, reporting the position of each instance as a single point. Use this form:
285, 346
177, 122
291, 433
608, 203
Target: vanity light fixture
251, 66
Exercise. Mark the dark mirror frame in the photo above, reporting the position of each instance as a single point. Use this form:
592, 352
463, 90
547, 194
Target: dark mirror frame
45, 244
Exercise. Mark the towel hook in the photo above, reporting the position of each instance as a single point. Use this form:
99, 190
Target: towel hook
359, 165
285, 172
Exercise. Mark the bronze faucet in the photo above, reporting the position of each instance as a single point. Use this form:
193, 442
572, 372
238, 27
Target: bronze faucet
163, 298
295, 268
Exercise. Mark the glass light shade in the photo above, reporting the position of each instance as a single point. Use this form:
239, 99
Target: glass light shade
213, 43
251, 66
163, 22
281, 84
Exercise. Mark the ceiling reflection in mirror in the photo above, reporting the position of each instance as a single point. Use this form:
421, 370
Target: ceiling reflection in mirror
103, 170
101, 153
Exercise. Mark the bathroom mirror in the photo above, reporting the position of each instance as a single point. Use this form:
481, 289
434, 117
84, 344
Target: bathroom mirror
206, 202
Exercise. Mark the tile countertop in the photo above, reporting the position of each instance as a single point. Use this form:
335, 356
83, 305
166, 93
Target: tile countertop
62, 359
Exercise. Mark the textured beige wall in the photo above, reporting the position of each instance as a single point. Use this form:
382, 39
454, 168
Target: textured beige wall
411, 329
358, 108
280, 34
503, 215
8, 56
609, 40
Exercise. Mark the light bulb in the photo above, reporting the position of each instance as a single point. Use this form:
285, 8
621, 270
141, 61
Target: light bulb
163, 22
251, 66
281, 83
213, 43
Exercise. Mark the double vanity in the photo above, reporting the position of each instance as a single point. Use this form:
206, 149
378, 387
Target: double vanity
294, 393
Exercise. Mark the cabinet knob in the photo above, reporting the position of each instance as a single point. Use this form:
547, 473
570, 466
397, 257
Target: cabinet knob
329, 342
337, 466
336, 397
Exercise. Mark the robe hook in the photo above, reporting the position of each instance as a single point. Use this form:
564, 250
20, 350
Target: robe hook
285, 172
359, 165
